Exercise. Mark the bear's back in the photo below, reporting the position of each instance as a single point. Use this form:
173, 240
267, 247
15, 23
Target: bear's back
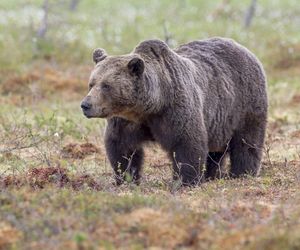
220, 52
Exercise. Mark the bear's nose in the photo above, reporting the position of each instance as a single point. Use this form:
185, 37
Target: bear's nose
85, 105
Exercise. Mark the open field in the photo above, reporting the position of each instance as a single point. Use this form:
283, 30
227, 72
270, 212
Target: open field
56, 185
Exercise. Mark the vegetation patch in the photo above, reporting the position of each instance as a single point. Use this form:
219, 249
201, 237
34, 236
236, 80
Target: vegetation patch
56, 186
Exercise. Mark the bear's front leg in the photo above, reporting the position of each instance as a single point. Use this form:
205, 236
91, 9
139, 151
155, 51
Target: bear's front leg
122, 143
188, 163
125, 163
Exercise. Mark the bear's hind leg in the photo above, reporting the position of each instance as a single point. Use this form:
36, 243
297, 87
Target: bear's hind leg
214, 164
246, 148
188, 165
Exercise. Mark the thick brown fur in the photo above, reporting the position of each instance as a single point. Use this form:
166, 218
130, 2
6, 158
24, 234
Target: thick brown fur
200, 101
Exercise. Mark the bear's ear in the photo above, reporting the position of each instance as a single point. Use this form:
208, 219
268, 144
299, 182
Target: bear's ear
136, 66
99, 55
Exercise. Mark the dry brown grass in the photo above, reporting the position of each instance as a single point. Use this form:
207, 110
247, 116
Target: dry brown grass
42, 81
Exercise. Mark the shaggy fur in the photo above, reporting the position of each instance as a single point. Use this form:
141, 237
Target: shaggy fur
199, 102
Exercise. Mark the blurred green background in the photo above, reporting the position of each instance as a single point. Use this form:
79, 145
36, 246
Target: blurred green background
66, 31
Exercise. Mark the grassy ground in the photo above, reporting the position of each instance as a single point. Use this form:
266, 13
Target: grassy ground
55, 181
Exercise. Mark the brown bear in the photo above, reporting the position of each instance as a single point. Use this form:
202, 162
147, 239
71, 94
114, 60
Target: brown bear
200, 101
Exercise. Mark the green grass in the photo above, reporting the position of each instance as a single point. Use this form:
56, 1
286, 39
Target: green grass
51, 198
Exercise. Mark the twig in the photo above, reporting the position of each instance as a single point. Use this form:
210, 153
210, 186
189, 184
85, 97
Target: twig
248, 144
73, 5
21, 147
167, 34
249, 14
222, 157
44, 25
266, 149
129, 159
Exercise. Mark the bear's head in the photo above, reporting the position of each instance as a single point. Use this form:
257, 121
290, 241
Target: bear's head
113, 86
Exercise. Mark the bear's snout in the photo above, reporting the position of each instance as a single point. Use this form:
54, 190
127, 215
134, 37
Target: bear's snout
85, 105
90, 110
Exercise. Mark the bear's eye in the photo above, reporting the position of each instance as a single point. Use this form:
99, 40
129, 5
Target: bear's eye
91, 85
105, 86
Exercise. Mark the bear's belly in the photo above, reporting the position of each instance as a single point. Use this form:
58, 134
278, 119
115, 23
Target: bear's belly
216, 149
218, 145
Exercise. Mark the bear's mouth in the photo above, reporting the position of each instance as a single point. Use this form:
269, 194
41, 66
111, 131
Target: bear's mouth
95, 116
87, 115
90, 114
103, 116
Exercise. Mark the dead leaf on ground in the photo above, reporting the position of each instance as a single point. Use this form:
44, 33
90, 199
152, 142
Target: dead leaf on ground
8, 235
79, 151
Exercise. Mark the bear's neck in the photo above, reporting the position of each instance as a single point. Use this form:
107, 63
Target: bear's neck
156, 91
